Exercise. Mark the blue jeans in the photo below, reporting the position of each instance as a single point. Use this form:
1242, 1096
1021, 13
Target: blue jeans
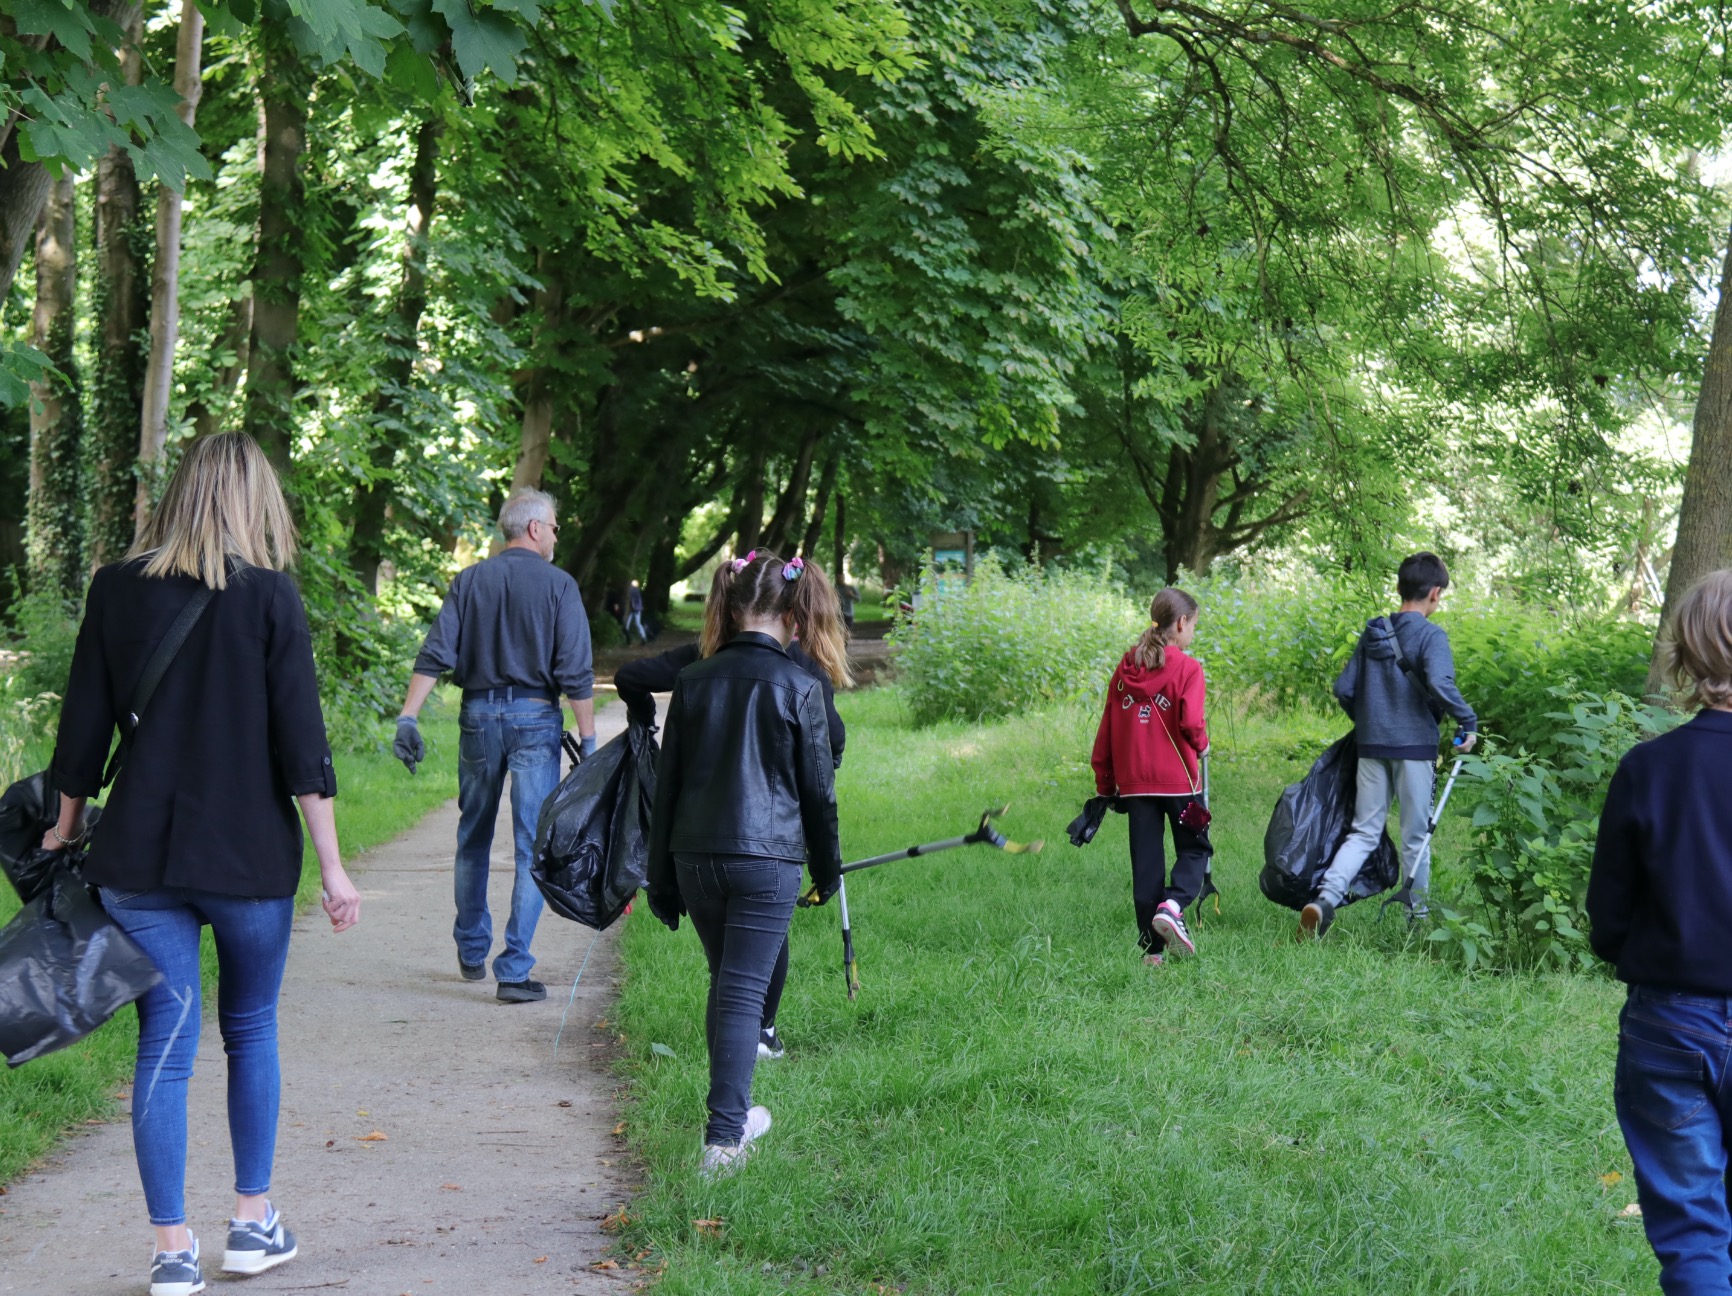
523, 737
252, 945
1675, 1110
741, 906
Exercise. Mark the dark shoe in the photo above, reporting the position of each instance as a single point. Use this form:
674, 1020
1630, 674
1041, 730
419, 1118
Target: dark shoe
1169, 925
255, 1247
1315, 918
770, 1044
176, 1273
521, 992
471, 971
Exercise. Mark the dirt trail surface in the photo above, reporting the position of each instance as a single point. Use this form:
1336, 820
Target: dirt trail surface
497, 1162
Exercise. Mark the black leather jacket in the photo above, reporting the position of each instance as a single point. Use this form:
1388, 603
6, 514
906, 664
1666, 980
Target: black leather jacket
745, 766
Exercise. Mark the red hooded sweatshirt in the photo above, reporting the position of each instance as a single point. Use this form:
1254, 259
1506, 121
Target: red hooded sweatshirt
1152, 729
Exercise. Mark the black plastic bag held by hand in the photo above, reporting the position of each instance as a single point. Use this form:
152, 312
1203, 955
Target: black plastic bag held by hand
65, 968
592, 839
1311, 820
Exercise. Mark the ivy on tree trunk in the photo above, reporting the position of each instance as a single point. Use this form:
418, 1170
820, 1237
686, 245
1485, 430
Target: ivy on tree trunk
54, 518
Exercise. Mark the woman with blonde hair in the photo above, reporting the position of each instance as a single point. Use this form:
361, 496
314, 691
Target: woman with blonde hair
200, 825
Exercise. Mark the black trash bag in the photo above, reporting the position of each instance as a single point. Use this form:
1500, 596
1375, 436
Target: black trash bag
24, 818
592, 840
65, 968
1083, 828
1311, 820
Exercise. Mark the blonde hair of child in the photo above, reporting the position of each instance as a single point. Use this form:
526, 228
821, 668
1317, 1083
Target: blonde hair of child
1698, 644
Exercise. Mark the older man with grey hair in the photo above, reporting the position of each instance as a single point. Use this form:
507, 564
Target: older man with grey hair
514, 637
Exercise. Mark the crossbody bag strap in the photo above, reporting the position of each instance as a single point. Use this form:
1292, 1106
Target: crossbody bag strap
154, 670
1196, 788
1406, 667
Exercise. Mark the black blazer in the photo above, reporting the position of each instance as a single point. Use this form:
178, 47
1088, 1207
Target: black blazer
745, 765
233, 733
642, 677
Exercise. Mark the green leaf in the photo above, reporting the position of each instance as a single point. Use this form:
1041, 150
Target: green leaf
661, 1050
66, 20
483, 40
410, 72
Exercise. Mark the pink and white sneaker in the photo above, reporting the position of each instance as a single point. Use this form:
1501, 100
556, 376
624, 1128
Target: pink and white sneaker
1169, 925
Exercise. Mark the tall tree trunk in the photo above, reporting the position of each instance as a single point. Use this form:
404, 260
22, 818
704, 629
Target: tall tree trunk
751, 518
536, 434
791, 505
826, 484
165, 277
121, 304
841, 537
285, 85
210, 411
54, 518
1704, 541
660, 578
24, 185
391, 405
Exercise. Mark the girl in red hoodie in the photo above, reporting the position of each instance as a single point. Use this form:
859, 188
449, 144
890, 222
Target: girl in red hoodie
1151, 738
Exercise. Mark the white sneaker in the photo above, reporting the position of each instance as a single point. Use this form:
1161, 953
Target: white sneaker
719, 1159
1169, 925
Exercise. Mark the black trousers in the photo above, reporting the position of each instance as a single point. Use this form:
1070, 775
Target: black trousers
1149, 816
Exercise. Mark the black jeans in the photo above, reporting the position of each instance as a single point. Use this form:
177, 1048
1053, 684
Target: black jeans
1149, 816
741, 906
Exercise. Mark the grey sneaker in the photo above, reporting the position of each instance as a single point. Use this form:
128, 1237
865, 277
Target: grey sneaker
770, 1044
1314, 919
254, 1247
720, 1160
525, 991
176, 1273
471, 971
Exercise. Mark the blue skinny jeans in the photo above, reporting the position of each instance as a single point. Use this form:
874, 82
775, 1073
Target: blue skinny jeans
741, 906
522, 737
1675, 1107
252, 945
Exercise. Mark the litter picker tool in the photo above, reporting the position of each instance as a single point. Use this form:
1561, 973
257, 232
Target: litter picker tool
984, 834
1209, 888
1405, 895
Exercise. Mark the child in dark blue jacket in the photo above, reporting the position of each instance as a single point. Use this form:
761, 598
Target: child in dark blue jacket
1660, 908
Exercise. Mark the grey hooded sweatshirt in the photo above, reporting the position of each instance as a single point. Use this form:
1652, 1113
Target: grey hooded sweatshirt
1396, 713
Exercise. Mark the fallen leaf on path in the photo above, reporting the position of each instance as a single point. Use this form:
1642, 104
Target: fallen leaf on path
452, 1187
377, 1136
605, 1264
615, 1222
619, 1130
1632, 1211
1611, 1180
710, 1227
540, 1259
563, 1102
363, 1113
330, 1142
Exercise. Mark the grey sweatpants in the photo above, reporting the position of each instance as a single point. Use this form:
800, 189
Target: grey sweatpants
1380, 782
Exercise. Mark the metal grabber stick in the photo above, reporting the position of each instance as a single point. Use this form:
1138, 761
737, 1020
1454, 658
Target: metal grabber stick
984, 834
1209, 888
1405, 895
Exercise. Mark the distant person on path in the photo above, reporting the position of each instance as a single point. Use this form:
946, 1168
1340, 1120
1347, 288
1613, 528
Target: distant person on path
515, 638
200, 828
1397, 686
637, 681
634, 614
846, 597
1151, 737
1660, 909
745, 792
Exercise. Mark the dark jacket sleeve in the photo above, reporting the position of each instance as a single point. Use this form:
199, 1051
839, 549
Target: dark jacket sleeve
87, 716
638, 680
297, 723
1615, 880
660, 880
815, 777
438, 653
838, 730
573, 657
1438, 669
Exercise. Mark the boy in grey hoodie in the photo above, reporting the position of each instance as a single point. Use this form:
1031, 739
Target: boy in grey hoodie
1397, 686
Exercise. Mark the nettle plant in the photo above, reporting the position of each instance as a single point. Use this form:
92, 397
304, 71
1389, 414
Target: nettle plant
1535, 818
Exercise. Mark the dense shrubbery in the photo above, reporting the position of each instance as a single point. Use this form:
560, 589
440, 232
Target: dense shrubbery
1011, 641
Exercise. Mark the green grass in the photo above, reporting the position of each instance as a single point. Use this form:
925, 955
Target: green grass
376, 800
1016, 1104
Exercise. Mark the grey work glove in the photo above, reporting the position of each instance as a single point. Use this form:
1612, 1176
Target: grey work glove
409, 747
586, 745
